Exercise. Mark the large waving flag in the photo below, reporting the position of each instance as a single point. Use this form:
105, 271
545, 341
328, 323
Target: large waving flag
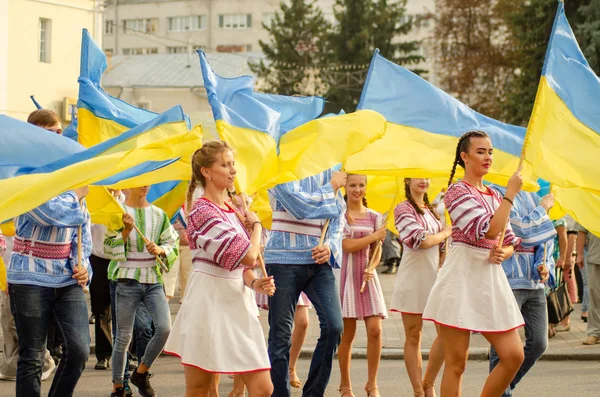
101, 117
36, 165
424, 125
563, 136
279, 138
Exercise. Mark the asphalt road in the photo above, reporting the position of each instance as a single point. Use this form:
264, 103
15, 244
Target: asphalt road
547, 379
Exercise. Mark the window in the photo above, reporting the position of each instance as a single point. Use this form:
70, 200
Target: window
109, 27
140, 51
235, 21
177, 50
267, 18
182, 24
234, 48
45, 40
149, 25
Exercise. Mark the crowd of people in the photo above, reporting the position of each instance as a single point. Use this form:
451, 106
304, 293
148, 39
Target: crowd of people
487, 272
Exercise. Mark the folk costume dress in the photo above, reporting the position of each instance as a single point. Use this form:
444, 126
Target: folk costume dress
418, 267
470, 293
370, 302
217, 329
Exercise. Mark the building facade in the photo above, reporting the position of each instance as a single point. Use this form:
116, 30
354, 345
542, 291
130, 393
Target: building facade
40, 52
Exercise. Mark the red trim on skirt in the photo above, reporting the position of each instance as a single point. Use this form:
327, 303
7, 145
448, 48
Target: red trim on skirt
473, 330
400, 311
216, 372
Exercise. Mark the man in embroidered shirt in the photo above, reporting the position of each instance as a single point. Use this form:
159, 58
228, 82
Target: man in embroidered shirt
527, 270
294, 258
45, 285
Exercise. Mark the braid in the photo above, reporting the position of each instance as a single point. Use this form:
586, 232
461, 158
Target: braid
463, 146
428, 204
410, 198
190, 195
364, 200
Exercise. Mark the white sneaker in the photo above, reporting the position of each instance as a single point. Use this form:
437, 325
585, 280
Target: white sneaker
6, 377
46, 374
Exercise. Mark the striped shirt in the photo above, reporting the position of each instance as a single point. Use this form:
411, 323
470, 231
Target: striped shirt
216, 236
531, 223
45, 243
300, 209
471, 211
130, 259
414, 227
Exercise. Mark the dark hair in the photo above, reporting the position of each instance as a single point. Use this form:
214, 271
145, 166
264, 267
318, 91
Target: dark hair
203, 158
43, 118
412, 202
364, 201
463, 146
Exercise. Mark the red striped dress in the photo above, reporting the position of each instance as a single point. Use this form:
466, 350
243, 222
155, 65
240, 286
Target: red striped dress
370, 302
470, 293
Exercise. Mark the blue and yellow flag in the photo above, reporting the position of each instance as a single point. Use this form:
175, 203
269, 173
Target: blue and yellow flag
563, 136
279, 138
102, 117
36, 165
424, 125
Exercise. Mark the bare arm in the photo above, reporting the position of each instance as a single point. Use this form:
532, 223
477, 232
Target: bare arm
436, 239
249, 260
356, 244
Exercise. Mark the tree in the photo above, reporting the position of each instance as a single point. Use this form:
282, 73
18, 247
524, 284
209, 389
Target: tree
474, 61
295, 49
529, 24
362, 26
589, 32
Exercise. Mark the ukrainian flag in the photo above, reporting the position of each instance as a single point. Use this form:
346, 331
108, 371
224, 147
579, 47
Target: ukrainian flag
563, 136
102, 117
36, 165
424, 125
279, 138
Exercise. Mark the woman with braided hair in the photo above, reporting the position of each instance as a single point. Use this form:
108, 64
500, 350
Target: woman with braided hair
423, 239
363, 229
471, 292
217, 330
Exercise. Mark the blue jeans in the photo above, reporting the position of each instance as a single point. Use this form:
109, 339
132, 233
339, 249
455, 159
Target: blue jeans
128, 296
534, 311
33, 308
318, 282
142, 327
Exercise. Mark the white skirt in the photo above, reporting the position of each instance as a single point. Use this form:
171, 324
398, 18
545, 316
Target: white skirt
217, 328
472, 294
415, 277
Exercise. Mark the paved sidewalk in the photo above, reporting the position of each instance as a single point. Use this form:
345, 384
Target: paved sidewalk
564, 346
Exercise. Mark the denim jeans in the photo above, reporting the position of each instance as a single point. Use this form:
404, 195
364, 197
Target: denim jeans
534, 311
142, 328
585, 302
129, 295
33, 308
318, 282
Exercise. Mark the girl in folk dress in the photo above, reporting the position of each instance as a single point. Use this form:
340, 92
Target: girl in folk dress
217, 330
471, 292
363, 229
423, 240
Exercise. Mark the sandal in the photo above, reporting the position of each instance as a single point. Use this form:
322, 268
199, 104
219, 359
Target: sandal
346, 392
294, 380
372, 391
234, 393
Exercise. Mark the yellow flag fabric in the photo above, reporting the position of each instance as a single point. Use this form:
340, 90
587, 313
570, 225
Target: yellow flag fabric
563, 136
164, 142
411, 152
3, 283
103, 208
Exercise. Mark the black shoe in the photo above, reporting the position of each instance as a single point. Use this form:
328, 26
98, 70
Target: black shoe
102, 364
92, 319
392, 267
584, 318
120, 392
131, 365
128, 391
142, 382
